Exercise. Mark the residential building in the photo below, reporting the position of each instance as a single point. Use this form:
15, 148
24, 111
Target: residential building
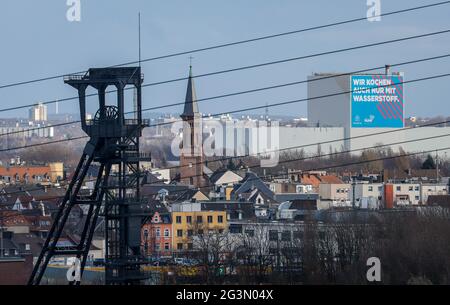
156, 234
401, 194
31, 174
334, 195
189, 219
430, 189
367, 195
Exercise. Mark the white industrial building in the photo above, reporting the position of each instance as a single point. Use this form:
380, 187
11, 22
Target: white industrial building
330, 118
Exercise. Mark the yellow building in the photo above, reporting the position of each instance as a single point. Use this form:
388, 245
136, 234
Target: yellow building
191, 222
56, 171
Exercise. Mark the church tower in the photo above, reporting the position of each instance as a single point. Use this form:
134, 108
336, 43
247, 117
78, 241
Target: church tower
192, 159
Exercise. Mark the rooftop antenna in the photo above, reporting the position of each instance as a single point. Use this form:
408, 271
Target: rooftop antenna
135, 93
139, 35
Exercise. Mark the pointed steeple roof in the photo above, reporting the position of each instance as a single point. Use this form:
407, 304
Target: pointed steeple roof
190, 104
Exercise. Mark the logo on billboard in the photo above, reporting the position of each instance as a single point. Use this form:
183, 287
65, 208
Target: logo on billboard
377, 101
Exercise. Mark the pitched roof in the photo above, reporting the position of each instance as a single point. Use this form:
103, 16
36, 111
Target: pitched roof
330, 179
233, 208
218, 174
310, 179
23, 239
190, 104
191, 193
250, 182
22, 171
440, 200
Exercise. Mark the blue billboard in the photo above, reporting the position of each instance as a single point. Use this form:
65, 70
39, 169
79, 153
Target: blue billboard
377, 101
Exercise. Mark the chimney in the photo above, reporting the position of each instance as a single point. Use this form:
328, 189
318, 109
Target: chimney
387, 69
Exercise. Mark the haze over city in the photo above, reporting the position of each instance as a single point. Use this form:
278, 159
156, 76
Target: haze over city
37, 41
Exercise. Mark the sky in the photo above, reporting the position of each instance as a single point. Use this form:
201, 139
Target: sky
38, 41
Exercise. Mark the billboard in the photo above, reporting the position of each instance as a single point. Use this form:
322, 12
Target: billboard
377, 101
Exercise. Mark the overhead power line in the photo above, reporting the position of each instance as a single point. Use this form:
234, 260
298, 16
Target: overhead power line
240, 42
247, 109
246, 67
242, 92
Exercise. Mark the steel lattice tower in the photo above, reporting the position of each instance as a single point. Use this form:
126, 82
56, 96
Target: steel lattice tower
114, 145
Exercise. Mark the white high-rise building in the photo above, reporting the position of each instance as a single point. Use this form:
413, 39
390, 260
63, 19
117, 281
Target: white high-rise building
38, 113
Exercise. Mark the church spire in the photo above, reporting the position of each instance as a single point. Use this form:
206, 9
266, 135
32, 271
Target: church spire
190, 104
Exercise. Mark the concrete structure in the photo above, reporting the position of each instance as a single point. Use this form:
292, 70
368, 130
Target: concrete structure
367, 195
401, 194
38, 113
20, 130
333, 195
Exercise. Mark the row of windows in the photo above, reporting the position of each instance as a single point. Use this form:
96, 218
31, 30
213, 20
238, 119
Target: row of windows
370, 188
199, 219
158, 232
410, 188
190, 233
274, 235
189, 246
157, 246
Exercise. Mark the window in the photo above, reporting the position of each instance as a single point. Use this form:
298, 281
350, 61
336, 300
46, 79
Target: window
158, 232
210, 219
189, 219
27, 247
399, 188
157, 247
370, 188
166, 246
273, 235
180, 233
298, 235
286, 236
166, 233
190, 232
417, 197
416, 188
199, 219
145, 233
220, 219
411, 188
179, 246
178, 219
190, 246
250, 233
